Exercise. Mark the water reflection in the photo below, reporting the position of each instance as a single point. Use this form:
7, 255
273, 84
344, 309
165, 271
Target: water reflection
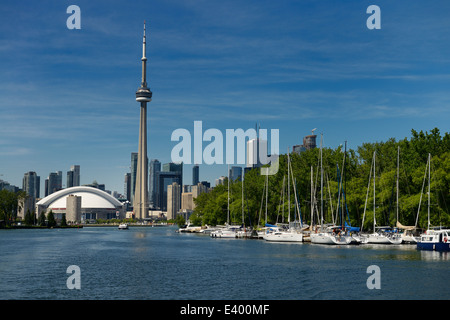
434, 255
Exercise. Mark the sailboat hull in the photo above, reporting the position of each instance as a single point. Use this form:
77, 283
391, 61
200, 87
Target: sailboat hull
283, 237
326, 238
382, 239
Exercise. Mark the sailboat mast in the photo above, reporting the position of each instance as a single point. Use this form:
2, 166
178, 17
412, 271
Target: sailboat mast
344, 205
267, 191
429, 173
321, 182
289, 189
312, 198
228, 197
242, 179
374, 223
398, 164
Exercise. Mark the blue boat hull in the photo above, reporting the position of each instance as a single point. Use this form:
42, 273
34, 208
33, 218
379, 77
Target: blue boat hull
436, 246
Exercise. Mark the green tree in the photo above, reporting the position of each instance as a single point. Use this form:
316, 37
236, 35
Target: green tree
29, 218
63, 220
346, 181
51, 222
41, 220
9, 205
179, 220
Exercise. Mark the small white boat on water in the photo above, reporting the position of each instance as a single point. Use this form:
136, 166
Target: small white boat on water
190, 228
226, 232
331, 235
123, 226
384, 236
282, 234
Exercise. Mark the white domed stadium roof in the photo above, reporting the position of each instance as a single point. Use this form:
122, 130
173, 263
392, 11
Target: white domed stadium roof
90, 198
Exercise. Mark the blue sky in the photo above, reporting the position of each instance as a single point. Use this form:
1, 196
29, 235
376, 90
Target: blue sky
68, 96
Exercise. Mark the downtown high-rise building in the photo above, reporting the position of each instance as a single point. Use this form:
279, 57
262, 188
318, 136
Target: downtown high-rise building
195, 175
73, 176
127, 186
155, 167
256, 152
31, 184
173, 200
134, 157
53, 182
235, 173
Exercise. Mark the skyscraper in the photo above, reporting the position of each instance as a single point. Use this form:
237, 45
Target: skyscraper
127, 186
73, 176
173, 200
256, 152
175, 168
54, 182
235, 173
155, 167
69, 183
31, 184
76, 175
134, 157
143, 95
195, 175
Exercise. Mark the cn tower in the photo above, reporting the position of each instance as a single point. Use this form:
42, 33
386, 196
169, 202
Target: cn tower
143, 95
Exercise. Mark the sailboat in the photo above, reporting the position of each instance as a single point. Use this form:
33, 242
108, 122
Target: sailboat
331, 234
229, 231
243, 232
408, 235
433, 239
285, 233
380, 235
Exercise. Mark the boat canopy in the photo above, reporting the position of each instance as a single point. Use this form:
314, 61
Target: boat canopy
399, 225
350, 228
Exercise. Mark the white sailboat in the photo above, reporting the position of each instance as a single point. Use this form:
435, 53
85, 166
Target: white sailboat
434, 239
408, 233
289, 233
383, 235
243, 232
229, 231
330, 234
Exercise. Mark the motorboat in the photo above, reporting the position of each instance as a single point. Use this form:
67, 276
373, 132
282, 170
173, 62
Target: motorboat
123, 226
189, 228
437, 240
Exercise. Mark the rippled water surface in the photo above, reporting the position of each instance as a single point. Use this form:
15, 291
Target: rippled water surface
158, 263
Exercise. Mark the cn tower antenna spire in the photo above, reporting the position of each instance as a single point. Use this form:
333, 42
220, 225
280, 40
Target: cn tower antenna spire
144, 60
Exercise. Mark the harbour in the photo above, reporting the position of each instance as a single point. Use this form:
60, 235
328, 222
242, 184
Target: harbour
144, 263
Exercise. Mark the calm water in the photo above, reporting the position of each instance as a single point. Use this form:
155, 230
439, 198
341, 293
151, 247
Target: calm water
158, 263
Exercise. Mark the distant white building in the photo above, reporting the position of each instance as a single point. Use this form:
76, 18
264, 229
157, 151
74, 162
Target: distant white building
257, 155
95, 204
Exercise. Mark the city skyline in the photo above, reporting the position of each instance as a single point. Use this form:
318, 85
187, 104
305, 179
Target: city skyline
290, 66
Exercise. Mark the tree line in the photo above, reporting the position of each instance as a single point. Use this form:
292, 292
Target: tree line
347, 193
10, 204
